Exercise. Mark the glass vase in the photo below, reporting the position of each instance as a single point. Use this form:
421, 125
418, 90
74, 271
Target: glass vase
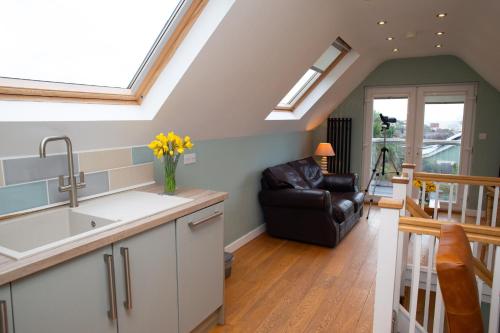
169, 184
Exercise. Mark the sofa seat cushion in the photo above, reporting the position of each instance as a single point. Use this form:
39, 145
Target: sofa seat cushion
357, 198
284, 176
342, 209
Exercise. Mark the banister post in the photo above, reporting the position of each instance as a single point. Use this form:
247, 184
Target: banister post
408, 169
386, 264
399, 190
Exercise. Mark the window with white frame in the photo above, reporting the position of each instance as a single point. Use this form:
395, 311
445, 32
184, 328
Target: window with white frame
325, 63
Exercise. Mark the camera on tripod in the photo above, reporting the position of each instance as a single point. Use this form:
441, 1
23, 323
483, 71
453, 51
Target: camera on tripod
386, 121
383, 156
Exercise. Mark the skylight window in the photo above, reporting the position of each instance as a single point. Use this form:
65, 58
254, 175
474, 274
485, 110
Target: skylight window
325, 63
93, 43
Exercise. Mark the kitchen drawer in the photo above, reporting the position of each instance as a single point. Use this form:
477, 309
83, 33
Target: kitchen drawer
200, 260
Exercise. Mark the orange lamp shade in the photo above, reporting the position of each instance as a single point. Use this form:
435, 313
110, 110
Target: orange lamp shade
324, 149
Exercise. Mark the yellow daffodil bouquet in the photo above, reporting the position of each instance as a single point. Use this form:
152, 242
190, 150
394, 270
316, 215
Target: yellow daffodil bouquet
429, 188
169, 148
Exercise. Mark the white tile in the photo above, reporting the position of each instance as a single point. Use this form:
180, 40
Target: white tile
105, 159
131, 176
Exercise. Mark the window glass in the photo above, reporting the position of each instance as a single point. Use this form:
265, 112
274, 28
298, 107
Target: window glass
92, 42
299, 88
312, 75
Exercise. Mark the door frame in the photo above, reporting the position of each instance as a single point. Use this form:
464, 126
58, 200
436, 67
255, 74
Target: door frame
416, 104
381, 92
467, 90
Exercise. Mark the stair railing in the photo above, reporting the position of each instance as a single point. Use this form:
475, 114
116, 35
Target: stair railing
404, 218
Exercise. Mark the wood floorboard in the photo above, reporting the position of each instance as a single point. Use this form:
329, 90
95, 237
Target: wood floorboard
284, 286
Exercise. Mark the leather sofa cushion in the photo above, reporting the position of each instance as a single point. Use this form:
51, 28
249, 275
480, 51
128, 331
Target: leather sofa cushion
357, 198
342, 209
309, 170
284, 176
456, 276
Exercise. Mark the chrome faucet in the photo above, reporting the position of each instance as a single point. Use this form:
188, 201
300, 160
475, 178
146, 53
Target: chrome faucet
72, 185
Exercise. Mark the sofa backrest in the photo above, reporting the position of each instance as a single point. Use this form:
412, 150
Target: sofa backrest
284, 176
309, 170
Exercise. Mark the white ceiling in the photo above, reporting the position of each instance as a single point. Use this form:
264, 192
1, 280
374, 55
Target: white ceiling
262, 47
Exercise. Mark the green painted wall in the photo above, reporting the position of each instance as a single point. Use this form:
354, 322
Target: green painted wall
421, 71
235, 166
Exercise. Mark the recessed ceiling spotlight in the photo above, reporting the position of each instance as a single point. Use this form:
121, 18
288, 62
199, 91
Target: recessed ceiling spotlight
382, 22
440, 33
395, 50
438, 46
441, 15
390, 38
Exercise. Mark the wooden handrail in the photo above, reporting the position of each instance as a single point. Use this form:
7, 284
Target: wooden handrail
408, 166
476, 233
400, 179
482, 271
390, 203
481, 234
458, 179
415, 210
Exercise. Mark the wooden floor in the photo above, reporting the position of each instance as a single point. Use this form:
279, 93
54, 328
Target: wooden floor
285, 286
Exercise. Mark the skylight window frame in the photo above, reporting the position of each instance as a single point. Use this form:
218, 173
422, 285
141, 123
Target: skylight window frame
344, 49
167, 42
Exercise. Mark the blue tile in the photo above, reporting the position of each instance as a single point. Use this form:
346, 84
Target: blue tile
28, 169
21, 197
142, 155
95, 183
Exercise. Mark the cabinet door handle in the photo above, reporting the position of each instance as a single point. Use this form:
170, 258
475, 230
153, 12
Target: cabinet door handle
194, 225
108, 259
4, 323
128, 282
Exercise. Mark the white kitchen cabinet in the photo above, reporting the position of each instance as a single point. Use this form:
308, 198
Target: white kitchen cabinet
200, 265
70, 297
5, 309
166, 279
146, 281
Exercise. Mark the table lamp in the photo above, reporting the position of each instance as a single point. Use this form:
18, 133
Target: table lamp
324, 150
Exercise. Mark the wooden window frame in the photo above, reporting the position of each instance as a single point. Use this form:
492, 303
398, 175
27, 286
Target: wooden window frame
31, 90
325, 73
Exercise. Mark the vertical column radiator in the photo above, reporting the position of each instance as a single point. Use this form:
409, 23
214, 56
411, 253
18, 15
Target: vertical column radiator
339, 135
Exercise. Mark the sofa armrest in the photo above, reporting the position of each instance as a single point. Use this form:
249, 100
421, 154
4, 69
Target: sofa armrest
340, 183
295, 198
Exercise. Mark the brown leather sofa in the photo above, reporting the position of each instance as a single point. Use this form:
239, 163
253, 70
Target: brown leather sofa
300, 203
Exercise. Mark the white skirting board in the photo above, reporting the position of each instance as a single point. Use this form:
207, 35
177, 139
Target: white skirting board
245, 238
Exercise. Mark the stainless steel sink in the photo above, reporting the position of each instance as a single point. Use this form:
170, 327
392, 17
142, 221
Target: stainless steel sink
34, 233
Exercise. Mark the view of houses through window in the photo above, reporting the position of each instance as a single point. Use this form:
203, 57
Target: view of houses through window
440, 144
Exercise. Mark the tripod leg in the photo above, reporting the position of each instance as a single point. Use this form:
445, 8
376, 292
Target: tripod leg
377, 178
375, 175
391, 158
374, 172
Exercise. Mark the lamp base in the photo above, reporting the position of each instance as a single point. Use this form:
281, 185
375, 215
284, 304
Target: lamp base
324, 164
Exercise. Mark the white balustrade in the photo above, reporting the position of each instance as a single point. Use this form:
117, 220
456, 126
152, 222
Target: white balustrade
392, 265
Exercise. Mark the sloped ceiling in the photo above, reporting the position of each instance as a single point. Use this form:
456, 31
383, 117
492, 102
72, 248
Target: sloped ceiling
261, 48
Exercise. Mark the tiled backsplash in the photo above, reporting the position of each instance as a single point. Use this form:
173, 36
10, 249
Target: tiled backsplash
32, 182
